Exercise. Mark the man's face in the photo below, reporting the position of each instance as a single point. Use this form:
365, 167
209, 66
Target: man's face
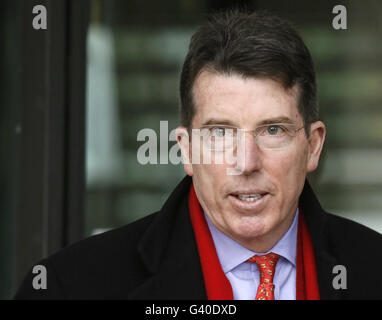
277, 175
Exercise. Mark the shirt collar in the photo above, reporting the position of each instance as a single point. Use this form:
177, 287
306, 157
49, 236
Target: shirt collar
231, 253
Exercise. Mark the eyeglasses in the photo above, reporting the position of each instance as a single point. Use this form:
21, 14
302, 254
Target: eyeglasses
273, 136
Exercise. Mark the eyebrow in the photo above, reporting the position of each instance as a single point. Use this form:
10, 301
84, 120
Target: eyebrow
276, 120
281, 119
219, 121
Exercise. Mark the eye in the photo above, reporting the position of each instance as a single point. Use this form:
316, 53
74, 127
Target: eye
218, 132
274, 130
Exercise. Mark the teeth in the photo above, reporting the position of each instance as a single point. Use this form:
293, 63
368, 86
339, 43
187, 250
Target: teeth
249, 197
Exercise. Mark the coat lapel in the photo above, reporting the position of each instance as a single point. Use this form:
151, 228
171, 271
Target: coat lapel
316, 219
169, 251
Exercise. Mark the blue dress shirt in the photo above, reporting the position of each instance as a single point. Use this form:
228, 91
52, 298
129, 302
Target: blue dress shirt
244, 276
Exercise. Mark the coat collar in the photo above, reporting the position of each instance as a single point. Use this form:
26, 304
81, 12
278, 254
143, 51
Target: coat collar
168, 249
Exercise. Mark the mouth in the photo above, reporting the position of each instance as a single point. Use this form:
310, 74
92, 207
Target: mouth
249, 197
253, 200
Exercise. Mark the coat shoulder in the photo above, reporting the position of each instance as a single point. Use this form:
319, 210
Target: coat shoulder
102, 266
358, 249
124, 238
351, 233
348, 254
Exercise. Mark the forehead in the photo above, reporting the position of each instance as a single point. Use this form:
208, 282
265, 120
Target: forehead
243, 102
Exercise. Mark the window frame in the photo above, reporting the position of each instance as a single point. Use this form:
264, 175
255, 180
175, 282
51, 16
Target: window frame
49, 211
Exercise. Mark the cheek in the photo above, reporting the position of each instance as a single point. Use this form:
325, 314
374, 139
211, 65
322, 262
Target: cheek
209, 178
288, 171
209, 182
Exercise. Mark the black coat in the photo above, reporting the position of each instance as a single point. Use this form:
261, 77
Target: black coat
156, 258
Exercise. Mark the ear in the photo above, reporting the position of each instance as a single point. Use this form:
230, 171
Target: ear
315, 144
183, 139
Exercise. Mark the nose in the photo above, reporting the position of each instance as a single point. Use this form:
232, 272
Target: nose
248, 154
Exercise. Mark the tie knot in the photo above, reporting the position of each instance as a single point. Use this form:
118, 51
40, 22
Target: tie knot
266, 260
266, 265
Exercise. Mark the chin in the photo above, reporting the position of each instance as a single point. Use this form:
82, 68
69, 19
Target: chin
249, 229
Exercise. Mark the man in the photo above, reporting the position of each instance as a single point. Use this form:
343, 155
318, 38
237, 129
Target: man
247, 227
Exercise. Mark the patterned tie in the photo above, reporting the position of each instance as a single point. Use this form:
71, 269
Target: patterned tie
266, 264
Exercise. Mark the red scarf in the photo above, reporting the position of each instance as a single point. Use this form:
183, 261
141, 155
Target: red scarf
218, 286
